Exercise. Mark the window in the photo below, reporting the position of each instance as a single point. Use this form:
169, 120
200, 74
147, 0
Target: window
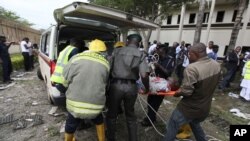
234, 15
45, 44
220, 16
206, 17
179, 19
192, 18
169, 19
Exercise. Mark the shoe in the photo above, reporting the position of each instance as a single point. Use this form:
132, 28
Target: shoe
7, 82
242, 99
146, 122
185, 132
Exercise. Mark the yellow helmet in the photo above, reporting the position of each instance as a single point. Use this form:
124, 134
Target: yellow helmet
119, 44
97, 45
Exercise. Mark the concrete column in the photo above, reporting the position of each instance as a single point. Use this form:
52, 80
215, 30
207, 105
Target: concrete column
210, 21
244, 28
158, 32
183, 10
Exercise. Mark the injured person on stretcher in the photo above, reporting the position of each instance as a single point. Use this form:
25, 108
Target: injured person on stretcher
159, 86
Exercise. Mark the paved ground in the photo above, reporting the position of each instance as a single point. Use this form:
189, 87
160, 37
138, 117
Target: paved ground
28, 97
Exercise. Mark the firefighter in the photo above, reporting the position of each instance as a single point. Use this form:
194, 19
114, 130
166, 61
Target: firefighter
64, 56
119, 44
86, 77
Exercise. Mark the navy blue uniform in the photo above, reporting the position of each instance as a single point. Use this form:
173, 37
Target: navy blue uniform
6, 62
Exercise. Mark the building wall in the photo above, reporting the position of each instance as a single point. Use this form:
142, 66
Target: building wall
220, 32
16, 32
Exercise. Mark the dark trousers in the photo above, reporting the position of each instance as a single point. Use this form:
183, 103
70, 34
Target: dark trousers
179, 72
229, 76
118, 92
31, 59
154, 101
72, 122
7, 68
26, 60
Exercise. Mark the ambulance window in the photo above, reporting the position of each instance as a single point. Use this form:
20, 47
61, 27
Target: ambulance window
45, 44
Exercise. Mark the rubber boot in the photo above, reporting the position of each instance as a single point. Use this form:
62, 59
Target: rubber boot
100, 132
185, 132
69, 137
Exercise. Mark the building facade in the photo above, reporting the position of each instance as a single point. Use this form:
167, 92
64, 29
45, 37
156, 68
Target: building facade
222, 22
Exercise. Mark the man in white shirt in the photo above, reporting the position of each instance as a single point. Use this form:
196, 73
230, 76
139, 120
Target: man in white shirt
25, 52
210, 47
152, 48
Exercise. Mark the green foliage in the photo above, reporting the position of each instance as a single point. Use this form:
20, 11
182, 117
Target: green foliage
151, 9
10, 15
17, 61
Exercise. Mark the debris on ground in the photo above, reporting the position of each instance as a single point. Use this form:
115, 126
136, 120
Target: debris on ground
238, 113
4, 86
166, 102
28, 121
6, 119
7, 100
16, 78
233, 95
53, 110
62, 129
34, 103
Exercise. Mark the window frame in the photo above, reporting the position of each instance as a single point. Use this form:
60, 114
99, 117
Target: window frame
220, 19
193, 18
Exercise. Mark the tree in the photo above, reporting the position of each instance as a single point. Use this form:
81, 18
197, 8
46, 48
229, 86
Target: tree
10, 15
200, 16
148, 9
237, 24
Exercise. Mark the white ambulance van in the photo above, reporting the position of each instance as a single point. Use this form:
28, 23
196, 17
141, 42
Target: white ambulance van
86, 21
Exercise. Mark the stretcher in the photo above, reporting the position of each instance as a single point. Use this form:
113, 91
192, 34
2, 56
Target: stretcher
169, 93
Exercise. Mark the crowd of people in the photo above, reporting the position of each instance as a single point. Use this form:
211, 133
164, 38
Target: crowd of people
111, 82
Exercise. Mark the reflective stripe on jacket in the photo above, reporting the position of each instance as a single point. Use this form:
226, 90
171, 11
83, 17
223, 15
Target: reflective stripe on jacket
87, 75
247, 70
61, 62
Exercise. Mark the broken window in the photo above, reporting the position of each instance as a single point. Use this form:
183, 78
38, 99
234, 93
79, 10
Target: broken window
192, 18
179, 19
220, 16
169, 19
234, 15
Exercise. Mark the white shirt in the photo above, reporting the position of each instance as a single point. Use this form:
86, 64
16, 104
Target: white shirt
185, 61
152, 48
178, 49
22, 45
30, 48
209, 50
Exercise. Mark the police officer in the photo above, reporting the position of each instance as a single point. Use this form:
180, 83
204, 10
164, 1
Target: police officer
127, 63
5, 57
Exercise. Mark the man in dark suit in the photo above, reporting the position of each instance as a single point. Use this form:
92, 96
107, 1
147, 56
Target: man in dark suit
233, 61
